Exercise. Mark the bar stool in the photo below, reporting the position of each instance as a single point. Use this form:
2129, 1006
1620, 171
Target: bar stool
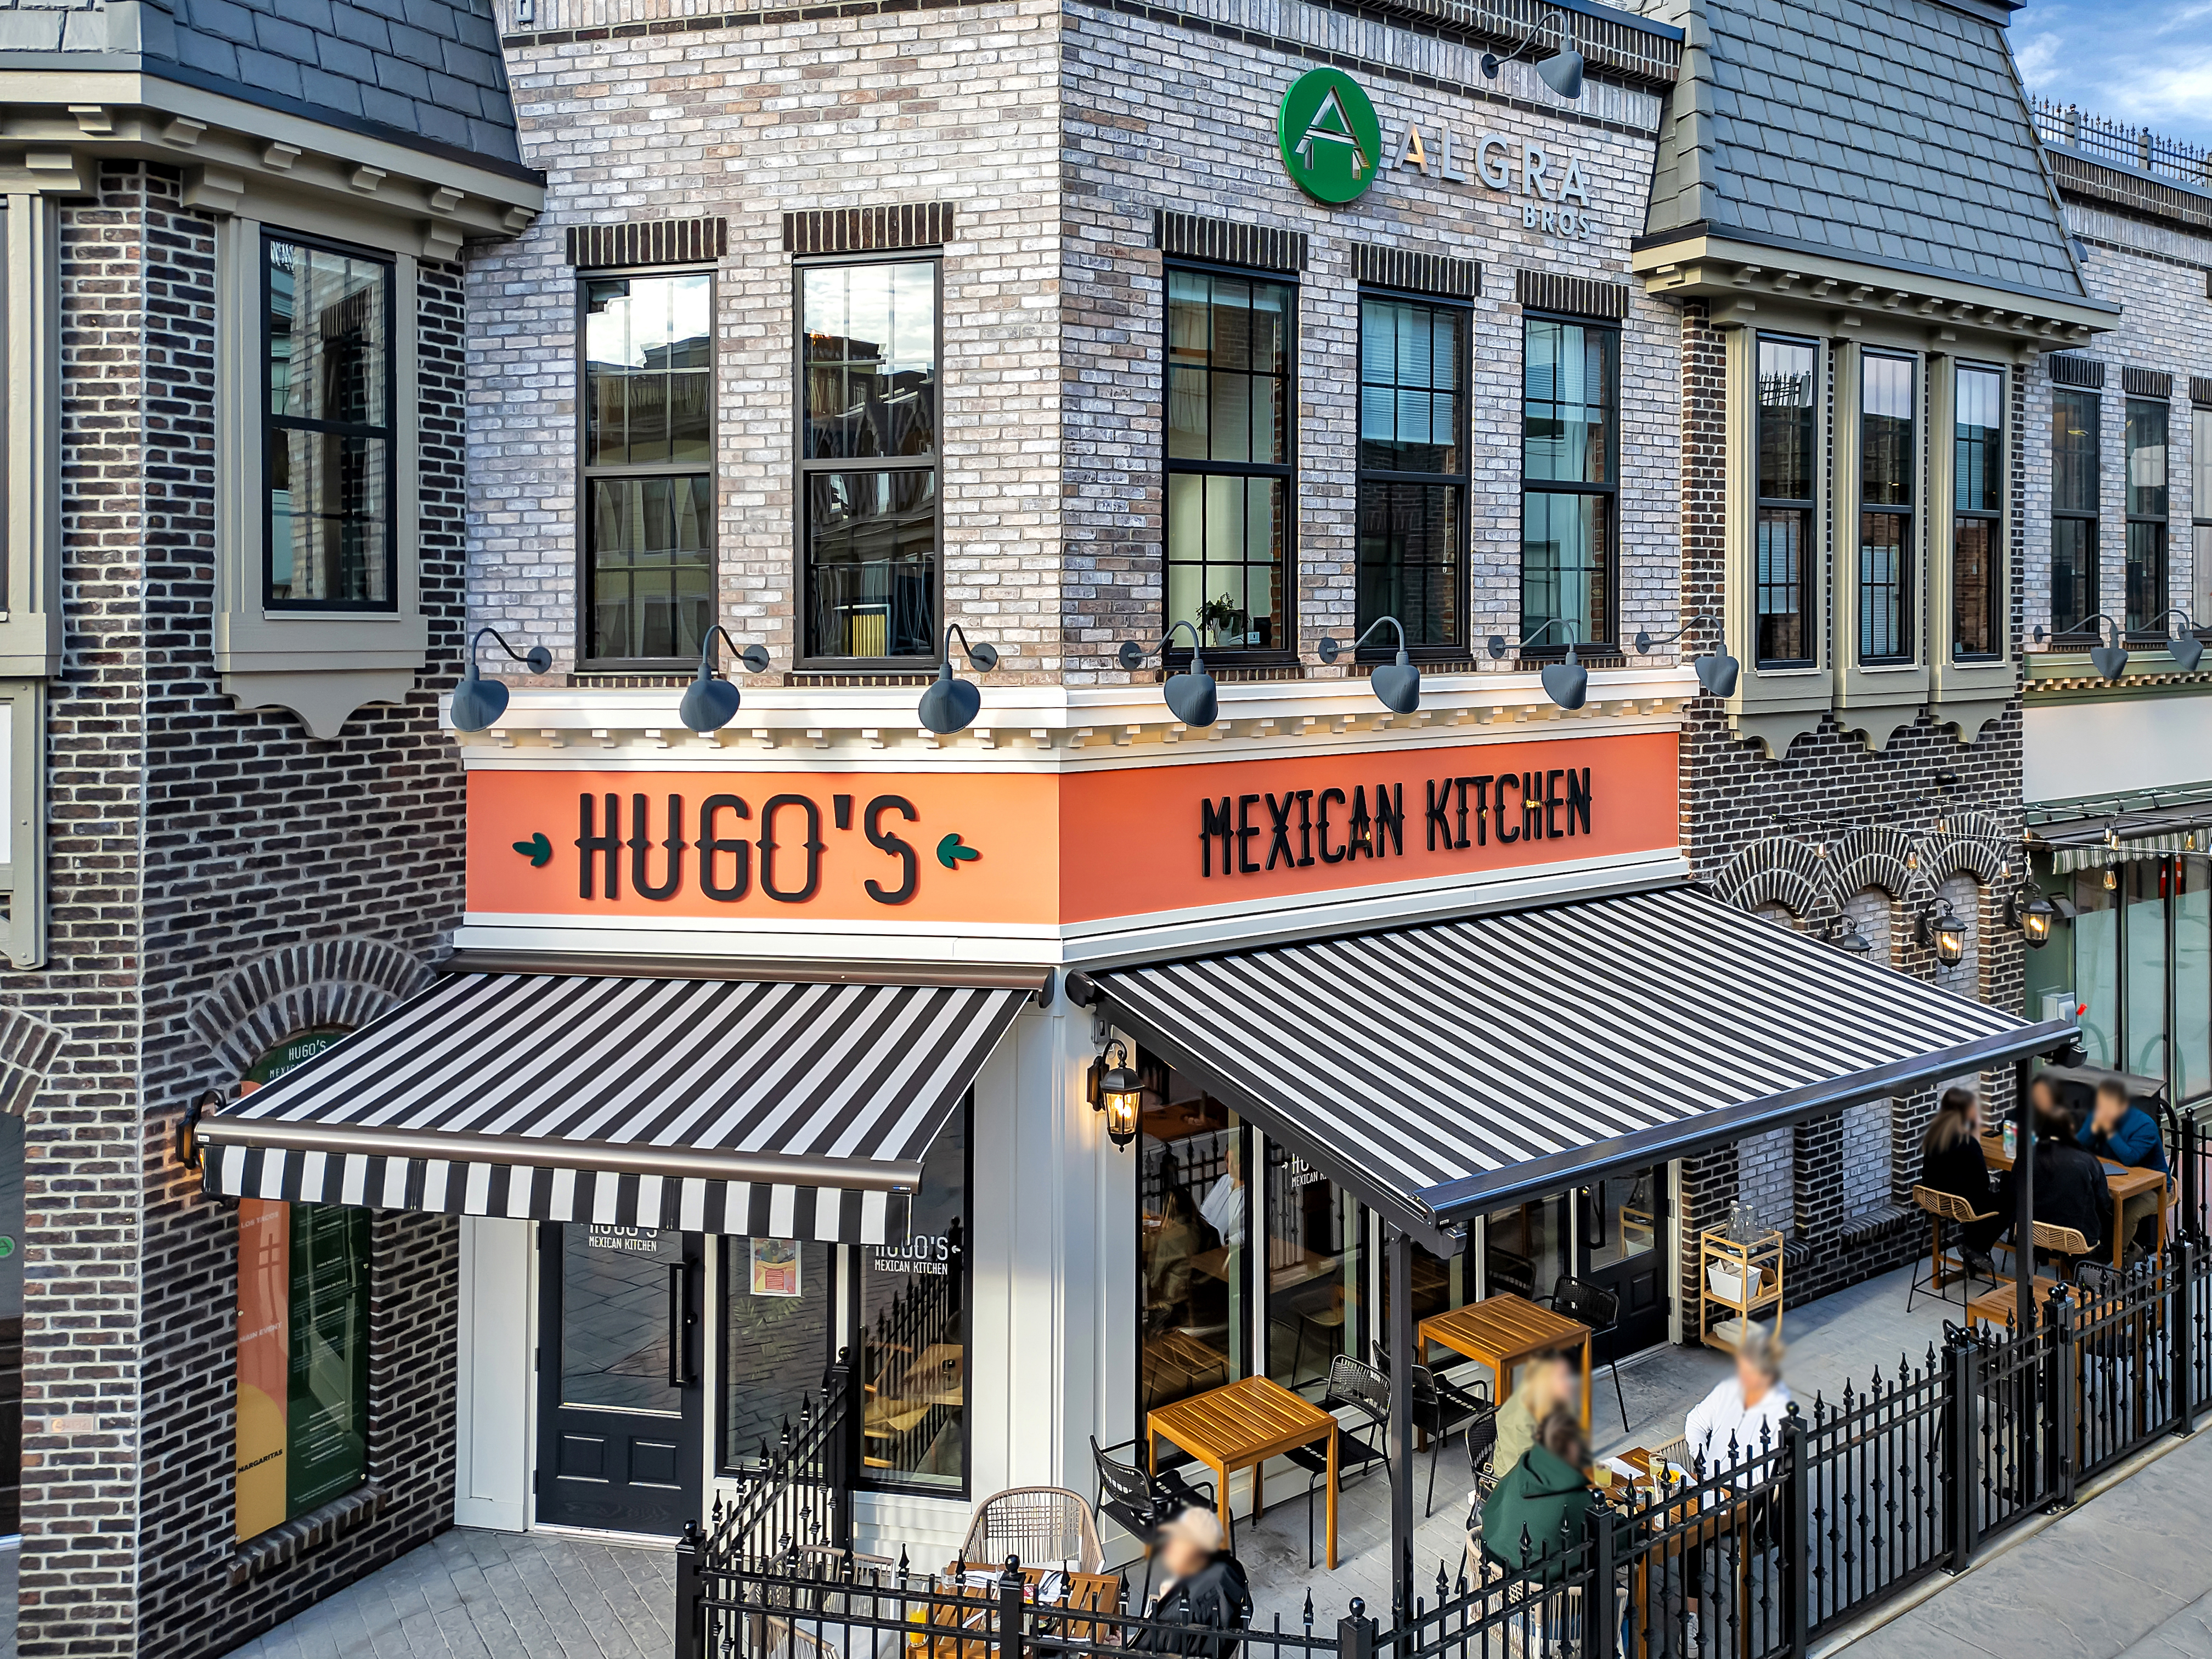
1942, 1207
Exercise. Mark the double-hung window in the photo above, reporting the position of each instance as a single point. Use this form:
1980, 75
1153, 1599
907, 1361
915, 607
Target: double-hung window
1978, 594
327, 441
1569, 438
649, 456
1787, 574
2146, 439
1412, 468
1887, 402
2200, 453
1230, 458
867, 461
2074, 461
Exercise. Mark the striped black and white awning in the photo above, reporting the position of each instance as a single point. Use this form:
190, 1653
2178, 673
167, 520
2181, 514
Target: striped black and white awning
774, 1110
1443, 1070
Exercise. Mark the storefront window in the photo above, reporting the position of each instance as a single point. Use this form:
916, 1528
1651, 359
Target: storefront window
1413, 467
1525, 1249
2097, 966
1887, 448
648, 451
2074, 508
2145, 882
775, 1345
1230, 417
1193, 1288
913, 1332
1977, 598
868, 459
2193, 979
1570, 420
1316, 1267
2145, 438
1786, 579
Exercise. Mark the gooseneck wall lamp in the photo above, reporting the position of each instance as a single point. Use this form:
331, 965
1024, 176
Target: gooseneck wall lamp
1191, 695
949, 705
2111, 657
1717, 673
1562, 71
1566, 684
1117, 1090
2188, 650
478, 702
711, 700
1397, 685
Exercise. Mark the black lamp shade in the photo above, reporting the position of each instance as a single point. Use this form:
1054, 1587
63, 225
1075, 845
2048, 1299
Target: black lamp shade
2188, 652
1948, 935
1566, 684
949, 705
2112, 660
2035, 918
1853, 940
1717, 673
477, 701
1397, 686
709, 702
1191, 695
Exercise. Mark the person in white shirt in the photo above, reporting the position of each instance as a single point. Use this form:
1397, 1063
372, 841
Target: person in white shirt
1223, 1204
1740, 1422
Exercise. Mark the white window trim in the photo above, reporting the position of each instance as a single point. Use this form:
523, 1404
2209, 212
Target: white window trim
30, 440
1969, 695
1876, 701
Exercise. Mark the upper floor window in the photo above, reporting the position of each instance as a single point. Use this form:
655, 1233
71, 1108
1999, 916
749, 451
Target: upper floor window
1230, 405
1570, 434
2146, 439
2075, 462
648, 454
867, 459
1887, 406
1786, 574
2200, 452
1977, 593
327, 438
1413, 467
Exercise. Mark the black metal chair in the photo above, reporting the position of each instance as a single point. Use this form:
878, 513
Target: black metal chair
1599, 1307
1363, 1390
1440, 1409
1140, 1503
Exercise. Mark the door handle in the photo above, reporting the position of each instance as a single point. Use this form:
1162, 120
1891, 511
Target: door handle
677, 1327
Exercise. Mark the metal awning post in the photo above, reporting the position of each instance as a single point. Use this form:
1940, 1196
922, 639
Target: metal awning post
1401, 1421
2023, 1198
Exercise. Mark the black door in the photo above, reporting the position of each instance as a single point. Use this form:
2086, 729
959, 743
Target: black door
620, 1406
1622, 1246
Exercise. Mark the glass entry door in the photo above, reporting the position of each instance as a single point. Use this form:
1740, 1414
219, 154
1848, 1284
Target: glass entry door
1621, 1232
620, 1406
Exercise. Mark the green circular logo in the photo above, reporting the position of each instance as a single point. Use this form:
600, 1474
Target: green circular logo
1331, 142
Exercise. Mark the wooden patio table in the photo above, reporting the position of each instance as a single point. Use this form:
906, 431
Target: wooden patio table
1241, 1426
2125, 1182
1087, 1592
1501, 1331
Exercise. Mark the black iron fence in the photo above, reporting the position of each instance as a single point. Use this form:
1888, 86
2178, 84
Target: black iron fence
1776, 1545
2114, 141
797, 1495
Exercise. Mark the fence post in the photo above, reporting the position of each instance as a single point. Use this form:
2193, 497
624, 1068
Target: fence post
1796, 1535
690, 1615
1960, 1470
844, 1448
2181, 1262
1012, 1609
2066, 1363
1600, 1632
1355, 1633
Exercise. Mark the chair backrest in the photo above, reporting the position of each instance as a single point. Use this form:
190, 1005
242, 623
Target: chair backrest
2065, 1240
1351, 1383
1482, 1440
1595, 1305
1037, 1523
1124, 1482
1947, 1206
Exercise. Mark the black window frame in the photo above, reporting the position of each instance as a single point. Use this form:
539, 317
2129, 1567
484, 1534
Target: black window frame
271, 423
2143, 620
1242, 656
2090, 517
1812, 580
804, 467
1996, 578
1383, 646
587, 474
1605, 641
1907, 575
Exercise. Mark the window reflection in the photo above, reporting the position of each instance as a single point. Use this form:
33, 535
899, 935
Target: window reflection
1317, 1264
1192, 1219
914, 1331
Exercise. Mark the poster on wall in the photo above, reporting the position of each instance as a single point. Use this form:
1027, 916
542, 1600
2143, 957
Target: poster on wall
776, 1267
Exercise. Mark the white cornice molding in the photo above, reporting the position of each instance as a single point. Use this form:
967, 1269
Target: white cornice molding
1054, 727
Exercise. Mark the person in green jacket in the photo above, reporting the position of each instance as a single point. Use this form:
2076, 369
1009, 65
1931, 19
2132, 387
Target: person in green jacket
1547, 1498
1546, 1383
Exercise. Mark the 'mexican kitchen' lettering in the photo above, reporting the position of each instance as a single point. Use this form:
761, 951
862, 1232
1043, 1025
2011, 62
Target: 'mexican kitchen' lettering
1249, 835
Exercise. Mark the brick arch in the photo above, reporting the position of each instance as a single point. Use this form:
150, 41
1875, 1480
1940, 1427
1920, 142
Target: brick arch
1875, 855
330, 981
27, 1048
1973, 843
1777, 870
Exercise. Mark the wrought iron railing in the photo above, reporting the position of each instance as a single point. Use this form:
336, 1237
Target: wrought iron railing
2112, 141
797, 1495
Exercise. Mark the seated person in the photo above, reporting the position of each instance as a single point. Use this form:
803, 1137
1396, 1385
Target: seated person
1546, 1384
1951, 1161
1742, 1419
2070, 1186
1541, 1501
1206, 1601
2121, 1130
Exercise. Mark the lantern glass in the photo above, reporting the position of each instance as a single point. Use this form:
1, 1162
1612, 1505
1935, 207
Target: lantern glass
2035, 922
1121, 1109
1950, 940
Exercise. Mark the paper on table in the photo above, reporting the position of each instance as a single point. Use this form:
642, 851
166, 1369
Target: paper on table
1625, 1471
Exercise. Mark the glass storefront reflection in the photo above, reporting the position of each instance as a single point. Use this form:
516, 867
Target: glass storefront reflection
1193, 1208
1315, 1272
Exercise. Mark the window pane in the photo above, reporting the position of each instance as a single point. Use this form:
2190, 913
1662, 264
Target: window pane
1977, 595
2200, 450
1409, 542
1785, 585
2146, 574
330, 527
913, 1330
1885, 609
872, 561
326, 337
1225, 542
2144, 882
1567, 402
1886, 430
1979, 484
1566, 560
2073, 417
1316, 1269
1408, 387
1228, 361
2192, 980
327, 1422
871, 360
1192, 1213
2146, 458
648, 370
1786, 458
2073, 572
615, 1333
2097, 967
651, 558
776, 1346
1525, 1249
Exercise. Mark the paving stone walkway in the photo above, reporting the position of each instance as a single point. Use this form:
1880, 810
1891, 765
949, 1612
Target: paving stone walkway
470, 1595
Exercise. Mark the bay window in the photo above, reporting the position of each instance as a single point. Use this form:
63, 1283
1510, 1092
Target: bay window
1977, 470
1888, 404
1787, 554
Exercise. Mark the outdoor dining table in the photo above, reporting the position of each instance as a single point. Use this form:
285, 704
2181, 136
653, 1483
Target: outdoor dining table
2125, 1182
1087, 1592
1240, 1426
1501, 1331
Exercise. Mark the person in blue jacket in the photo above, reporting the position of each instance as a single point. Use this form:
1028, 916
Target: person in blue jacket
2122, 1132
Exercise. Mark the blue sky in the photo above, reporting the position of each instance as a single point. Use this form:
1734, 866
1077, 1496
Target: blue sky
2148, 64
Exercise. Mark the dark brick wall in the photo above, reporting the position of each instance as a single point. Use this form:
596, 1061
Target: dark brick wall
256, 839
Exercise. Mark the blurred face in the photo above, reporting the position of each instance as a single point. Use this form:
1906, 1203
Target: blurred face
1181, 1557
2111, 1107
1754, 1381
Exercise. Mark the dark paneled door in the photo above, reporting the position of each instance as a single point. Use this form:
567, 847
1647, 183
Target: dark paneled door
1623, 1246
620, 1409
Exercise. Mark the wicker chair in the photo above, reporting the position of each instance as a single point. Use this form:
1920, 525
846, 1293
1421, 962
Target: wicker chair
1942, 1207
2067, 1243
1039, 1524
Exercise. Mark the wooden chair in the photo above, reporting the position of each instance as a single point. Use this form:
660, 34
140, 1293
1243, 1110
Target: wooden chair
1037, 1523
1942, 1207
2067, 1243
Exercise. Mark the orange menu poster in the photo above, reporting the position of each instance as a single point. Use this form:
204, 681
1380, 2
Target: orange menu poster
264, 1279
